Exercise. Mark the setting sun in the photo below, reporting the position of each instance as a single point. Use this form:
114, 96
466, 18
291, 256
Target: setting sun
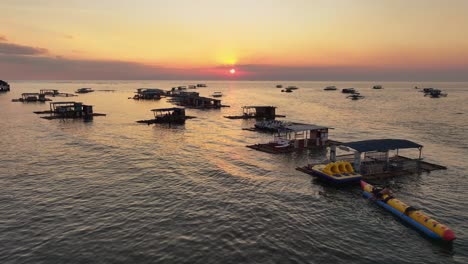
232, 71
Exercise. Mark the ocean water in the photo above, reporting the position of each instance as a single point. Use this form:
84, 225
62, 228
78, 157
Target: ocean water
114, 191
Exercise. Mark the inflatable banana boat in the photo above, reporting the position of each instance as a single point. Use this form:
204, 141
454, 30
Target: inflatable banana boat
410, 215
335, 172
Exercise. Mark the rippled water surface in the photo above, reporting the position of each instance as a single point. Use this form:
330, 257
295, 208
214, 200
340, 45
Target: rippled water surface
113, 190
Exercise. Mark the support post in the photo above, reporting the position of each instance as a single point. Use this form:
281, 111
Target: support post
333, 153
357, 161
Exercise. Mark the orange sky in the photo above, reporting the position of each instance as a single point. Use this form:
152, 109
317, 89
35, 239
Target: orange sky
207, 34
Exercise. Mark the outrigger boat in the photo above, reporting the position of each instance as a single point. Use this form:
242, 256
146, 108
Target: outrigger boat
409, 214
334, 172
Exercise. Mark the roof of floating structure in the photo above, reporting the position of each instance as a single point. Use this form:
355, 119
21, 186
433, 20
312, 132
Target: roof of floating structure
258, 106
296, 127
381, 145
167, 109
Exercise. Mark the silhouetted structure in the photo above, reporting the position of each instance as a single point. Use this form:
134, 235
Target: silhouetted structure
149, 94
31, 97
4, 86
294, 137
62, 110
266, 112
173, 115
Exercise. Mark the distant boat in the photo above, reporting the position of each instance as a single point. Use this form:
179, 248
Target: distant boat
84, 90
287, 90
292, 87
355, 96
427, 90
330, 88
435, 93
377, 87
4, 86
201, 85
348, 90
192, 87
217, 94
279, 86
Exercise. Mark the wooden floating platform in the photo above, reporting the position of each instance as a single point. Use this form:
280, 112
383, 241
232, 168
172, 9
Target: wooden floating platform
167, 121
380, 174
69, 117
272, 148
249, 117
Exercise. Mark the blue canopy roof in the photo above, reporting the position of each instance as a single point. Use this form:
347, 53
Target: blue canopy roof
381, 145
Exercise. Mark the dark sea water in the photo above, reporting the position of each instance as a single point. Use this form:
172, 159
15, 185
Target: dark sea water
114, 191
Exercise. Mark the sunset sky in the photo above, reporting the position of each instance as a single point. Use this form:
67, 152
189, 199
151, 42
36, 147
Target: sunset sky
262, 40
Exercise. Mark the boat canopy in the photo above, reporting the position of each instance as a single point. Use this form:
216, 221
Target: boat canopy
381, 145
167, 109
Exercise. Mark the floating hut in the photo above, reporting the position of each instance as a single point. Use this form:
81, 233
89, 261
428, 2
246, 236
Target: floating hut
62, 110
54, 92
174, 115
295, 136
32, 97
199, 102
4, 86
267, 112
148, 94
379, 158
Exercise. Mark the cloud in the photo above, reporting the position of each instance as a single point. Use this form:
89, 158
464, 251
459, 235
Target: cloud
26, 62
15, 49
3, 38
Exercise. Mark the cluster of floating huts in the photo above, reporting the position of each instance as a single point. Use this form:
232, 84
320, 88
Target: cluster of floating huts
347, 162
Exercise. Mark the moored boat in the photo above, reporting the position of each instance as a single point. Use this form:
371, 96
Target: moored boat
377, 87
217, 94
330, 88
348, 90
279, 86
409, 214
355, 96
435, 93
4, 86
84, 90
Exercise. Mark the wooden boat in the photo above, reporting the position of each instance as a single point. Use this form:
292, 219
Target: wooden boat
348, 90
409, 214
377, 87
217, 94
435, 93
340, 172
84, 90
330, 88
355, 96
4, 86
279, 86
